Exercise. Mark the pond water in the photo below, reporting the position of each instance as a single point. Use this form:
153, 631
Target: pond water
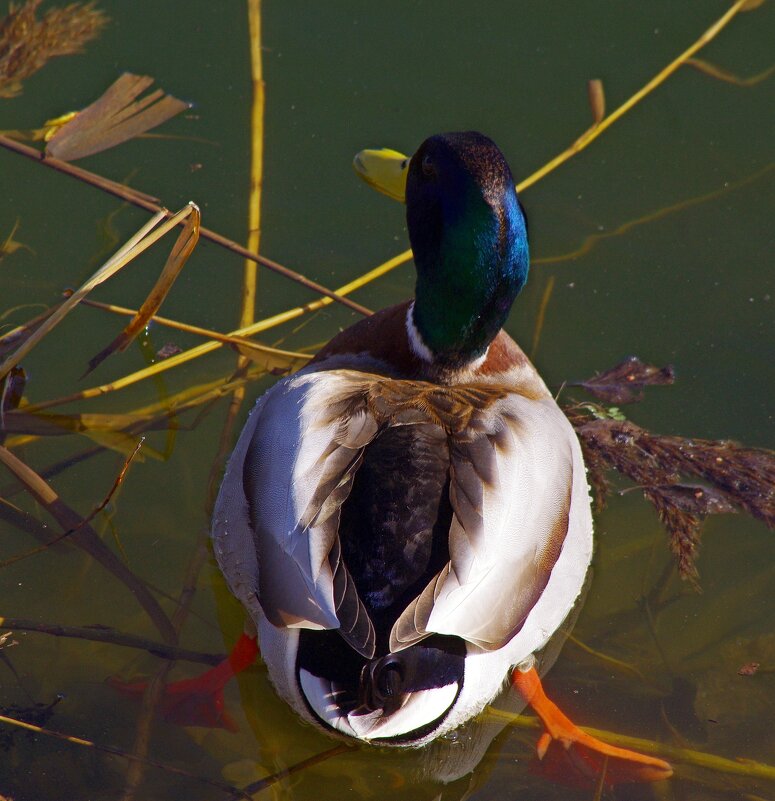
680, 272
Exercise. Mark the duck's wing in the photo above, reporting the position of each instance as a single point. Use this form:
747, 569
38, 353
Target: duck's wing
276, 520
515, 468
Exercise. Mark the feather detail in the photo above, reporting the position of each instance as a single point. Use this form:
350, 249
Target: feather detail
511, 477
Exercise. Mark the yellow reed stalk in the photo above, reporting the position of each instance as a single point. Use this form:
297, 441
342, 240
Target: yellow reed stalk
227, 339
256, 162
592, 134
686, 756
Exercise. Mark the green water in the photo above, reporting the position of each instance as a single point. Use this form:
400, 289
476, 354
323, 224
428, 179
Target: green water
693, 287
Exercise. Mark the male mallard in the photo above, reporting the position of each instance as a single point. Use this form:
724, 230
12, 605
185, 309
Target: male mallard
407, 519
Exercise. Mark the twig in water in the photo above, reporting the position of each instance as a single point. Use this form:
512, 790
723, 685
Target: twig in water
109, 635
86, 538
84, 521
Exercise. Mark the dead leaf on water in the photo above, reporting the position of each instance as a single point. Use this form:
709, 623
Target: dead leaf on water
114, 118
625, 382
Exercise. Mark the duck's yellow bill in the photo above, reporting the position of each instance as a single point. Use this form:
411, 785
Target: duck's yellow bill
385, 170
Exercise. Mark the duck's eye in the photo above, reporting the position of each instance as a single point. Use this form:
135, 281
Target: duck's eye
427, 166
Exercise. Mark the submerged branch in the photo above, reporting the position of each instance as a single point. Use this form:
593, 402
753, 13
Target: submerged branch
86, 538
113, 637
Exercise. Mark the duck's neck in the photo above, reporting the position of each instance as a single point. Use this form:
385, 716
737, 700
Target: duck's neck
468, 274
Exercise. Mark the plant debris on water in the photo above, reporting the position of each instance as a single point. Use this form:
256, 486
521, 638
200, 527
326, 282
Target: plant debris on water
28, 42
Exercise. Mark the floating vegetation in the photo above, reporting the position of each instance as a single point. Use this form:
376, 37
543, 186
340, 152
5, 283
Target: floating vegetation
27, 42
739, 477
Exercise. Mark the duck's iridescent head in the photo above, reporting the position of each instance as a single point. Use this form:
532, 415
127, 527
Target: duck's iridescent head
469, 238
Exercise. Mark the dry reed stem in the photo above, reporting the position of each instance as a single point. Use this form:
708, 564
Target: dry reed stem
247, 314
587, 138
143, 419
687, 756
243, 343
136, 245
181, 250
256, 163
150, 203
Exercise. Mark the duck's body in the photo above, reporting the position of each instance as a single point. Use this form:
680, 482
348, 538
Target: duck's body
407, 519
454, 536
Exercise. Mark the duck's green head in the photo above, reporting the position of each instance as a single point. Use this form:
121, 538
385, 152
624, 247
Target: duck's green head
469, 238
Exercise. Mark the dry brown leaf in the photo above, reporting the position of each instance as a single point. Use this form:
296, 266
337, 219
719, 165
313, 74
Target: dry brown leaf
114, 118
739, 477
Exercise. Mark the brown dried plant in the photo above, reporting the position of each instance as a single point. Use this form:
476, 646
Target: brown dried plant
27, 43
734, 477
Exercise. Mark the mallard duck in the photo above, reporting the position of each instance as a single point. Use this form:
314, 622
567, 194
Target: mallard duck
407, 520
